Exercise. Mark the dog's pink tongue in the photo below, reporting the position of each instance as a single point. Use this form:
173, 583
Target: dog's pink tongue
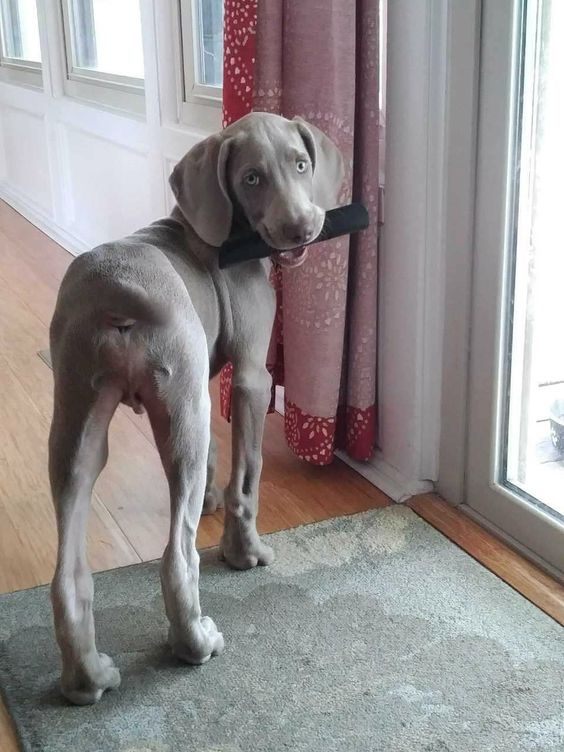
295, 257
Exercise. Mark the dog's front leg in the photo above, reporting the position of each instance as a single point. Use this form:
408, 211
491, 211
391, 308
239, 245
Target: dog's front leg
213, 499
241, 546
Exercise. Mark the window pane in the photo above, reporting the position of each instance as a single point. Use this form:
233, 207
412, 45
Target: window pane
20, 30
535, 426
210, 42
107, 36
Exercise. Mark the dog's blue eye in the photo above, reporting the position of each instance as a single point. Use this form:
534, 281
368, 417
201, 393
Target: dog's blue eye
252, 179
301, 165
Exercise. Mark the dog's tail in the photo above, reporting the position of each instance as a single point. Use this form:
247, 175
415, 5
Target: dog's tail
128, 303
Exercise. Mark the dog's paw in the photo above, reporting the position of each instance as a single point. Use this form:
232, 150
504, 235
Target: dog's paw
246, 557
86, 684
202, 643
213, 500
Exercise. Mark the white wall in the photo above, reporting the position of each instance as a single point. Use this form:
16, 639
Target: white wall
86, 174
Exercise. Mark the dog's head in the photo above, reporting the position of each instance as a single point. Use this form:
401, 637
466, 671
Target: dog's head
280, 175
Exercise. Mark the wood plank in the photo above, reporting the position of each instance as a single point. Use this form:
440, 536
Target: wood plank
26, 280
43, 253
498, 557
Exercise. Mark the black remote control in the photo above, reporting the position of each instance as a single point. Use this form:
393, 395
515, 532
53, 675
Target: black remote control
341, 221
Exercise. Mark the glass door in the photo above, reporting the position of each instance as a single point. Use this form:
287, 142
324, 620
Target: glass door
515, 467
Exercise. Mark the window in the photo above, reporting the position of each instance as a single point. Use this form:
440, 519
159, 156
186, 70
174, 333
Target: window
209, 43
106, 38
202, 36
20, 31
105, 51
534, 440
21, 51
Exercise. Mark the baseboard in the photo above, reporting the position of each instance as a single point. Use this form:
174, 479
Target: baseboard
380, 473
387, 478
38, 217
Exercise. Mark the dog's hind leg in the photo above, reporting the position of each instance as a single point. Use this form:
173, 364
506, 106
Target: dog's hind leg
179, 411
77, 453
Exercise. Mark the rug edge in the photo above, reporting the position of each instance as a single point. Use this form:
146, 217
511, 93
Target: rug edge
209, 549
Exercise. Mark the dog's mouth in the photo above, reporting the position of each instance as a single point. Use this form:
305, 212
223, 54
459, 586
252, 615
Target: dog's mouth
292, 258
288, 257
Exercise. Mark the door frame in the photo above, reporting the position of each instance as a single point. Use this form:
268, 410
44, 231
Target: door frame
476, 310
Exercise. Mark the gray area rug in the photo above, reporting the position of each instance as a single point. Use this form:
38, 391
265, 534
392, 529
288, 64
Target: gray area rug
369, 633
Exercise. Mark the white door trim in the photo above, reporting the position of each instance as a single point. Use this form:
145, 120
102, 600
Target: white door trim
531, 526
412, 251
461, 114
427, 240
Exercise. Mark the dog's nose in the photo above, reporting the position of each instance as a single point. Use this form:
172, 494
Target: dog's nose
298, 233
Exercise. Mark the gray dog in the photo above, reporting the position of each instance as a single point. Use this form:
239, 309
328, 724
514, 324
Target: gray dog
147, 320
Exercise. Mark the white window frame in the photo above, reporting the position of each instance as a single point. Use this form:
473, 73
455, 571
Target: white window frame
107, 89
193, 95
18, 70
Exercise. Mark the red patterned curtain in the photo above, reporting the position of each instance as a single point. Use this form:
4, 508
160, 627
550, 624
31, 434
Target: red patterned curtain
319, 59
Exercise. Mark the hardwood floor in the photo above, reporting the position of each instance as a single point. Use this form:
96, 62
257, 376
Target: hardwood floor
129, 519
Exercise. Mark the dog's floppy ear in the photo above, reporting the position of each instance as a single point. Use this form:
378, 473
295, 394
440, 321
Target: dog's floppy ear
199, 184
327, 162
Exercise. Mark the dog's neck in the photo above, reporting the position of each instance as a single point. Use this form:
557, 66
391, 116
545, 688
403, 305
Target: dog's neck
200, 250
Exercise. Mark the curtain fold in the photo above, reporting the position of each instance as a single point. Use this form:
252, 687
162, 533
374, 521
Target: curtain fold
319, 59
